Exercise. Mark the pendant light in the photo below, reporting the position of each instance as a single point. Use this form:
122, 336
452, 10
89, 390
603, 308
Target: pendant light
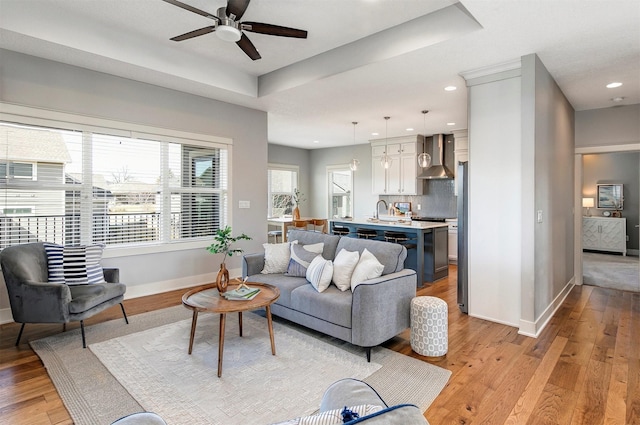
386, 160
424, 159
354, 163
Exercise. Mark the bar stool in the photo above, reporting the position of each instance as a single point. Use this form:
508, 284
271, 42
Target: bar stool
275, 234
366, 233
399, 238
340, 231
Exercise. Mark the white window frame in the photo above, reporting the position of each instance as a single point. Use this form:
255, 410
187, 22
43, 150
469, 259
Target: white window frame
281, 167
329, 199
53, 119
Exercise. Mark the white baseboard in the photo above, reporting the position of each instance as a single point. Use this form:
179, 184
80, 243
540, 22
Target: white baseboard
145, 289
494, 320
533, 329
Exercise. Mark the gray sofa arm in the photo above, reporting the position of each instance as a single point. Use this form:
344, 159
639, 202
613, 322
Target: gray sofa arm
252, 264
381, 307
47, 302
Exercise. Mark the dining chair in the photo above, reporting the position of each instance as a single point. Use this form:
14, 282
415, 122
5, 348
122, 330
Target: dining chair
319, 225
297, 225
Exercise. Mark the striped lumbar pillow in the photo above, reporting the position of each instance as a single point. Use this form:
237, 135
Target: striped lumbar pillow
74, 265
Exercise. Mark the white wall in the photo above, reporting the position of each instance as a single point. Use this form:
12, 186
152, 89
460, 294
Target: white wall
617, 125
495, 198
35, 82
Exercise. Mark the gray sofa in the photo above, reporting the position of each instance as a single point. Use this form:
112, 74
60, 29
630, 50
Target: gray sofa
377, 310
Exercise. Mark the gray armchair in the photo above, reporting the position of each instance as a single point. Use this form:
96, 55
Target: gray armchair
35, 300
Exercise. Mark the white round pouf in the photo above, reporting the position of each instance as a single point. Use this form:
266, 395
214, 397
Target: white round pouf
429, 326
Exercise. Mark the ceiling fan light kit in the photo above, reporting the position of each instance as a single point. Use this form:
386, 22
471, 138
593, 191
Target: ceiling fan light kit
229, 28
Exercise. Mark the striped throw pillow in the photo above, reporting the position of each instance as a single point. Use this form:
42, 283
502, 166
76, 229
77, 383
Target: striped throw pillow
74, 265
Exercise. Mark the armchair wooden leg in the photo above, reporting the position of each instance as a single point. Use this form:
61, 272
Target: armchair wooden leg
64, 327
124, 313
20, 334
368, 349
84, 342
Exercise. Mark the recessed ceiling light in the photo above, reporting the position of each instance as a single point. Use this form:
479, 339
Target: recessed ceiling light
618, 99
451, 123
375, 134
316, 141
409, 129
613, 85
450, 88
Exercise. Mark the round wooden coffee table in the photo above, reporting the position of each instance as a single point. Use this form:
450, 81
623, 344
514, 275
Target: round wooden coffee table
208, 299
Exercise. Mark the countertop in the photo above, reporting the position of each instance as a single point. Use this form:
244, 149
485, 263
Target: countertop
407, 224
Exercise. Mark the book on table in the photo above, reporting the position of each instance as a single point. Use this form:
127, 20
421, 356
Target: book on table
242, 294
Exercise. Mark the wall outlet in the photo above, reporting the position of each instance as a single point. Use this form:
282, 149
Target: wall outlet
419, 207
627, 238
539, 216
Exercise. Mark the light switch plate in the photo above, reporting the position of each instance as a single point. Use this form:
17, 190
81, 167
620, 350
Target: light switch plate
539, 216
244, 204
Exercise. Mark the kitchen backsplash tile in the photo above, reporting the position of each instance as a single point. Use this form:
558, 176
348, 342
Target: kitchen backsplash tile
438, 201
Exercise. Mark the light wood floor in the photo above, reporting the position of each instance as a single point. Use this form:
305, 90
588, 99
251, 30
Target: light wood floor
583, 369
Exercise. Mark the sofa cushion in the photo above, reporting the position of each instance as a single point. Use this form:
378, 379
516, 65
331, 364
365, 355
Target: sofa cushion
85, 297
368, 267
332, 305
74, 265
343, 267
319, 273
390, 255
306, 237
301, 257
276, 257
286, 284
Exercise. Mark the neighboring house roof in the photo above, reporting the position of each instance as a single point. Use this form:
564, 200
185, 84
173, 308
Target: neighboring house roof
21, 144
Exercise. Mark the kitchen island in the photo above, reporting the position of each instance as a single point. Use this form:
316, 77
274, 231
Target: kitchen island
428, 243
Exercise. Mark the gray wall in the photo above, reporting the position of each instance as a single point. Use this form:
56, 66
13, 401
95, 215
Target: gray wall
620, 167
554, 144
35, 82
617, 125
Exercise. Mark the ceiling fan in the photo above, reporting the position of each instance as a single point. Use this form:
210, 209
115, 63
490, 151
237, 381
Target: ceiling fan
228, 27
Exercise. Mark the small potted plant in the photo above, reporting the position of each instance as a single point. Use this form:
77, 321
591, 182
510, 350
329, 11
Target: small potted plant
298, 198
222, 245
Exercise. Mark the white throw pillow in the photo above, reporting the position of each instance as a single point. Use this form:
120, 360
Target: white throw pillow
315, 247
319, 273
368, 268
343, 266
276, 257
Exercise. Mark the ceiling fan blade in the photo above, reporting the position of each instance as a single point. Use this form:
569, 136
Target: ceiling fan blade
192, 9
270, 29
195, 33
237, 8
247, 46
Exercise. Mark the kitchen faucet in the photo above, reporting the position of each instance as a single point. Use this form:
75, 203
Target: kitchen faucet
378, 205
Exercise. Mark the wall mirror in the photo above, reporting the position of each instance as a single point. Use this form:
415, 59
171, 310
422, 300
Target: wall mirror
610, 196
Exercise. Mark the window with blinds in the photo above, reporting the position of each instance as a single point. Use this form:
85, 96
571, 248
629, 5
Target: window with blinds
81, 187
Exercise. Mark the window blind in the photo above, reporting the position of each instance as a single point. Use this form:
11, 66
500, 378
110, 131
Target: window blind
80, 187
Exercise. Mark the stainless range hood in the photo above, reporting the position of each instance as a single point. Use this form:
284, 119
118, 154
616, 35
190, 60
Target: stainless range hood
437, 171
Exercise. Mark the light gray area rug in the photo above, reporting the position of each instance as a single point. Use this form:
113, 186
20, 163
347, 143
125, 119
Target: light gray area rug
94, 396
611, 271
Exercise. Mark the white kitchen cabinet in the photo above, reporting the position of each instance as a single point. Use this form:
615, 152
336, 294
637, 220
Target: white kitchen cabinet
604, 234
401, 177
